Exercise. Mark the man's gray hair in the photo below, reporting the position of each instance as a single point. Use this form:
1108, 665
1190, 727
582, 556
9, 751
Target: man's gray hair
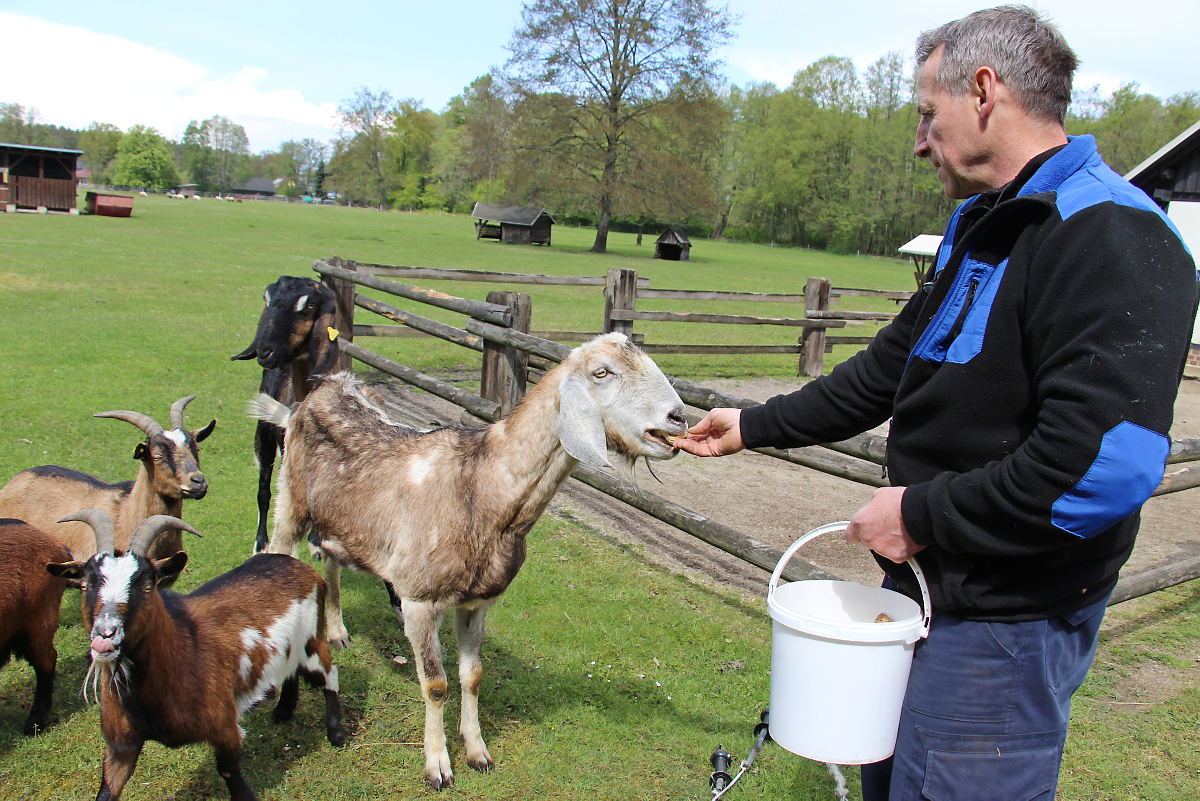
1028, 53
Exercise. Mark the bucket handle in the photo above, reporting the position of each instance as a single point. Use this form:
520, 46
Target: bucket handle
926, 603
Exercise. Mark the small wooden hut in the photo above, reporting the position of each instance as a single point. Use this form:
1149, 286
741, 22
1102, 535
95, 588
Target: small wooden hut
673, 245
516, 225
33, 177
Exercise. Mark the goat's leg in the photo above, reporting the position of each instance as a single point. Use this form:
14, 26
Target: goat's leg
264, 456
421, 622
334, 626
289, 694
319, 670
397, 604
288, 528
43, 657
468, 626
119, 761
229, 765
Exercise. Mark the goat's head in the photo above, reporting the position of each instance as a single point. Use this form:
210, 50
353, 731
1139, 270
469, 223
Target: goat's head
172, 458
296, 322
614, 400
117, 586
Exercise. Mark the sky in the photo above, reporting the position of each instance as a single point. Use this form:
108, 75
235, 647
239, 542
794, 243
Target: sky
280, 70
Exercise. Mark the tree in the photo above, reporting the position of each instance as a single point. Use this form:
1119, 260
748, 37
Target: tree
216, 153
359, 165
144, 160
410, 151
99, 144
610, 66
18, 124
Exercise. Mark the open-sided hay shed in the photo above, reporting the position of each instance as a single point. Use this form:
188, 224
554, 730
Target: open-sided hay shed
33, 177
673, 245
516, 225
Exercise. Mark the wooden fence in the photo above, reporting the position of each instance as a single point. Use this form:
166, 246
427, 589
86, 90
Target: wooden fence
499, 328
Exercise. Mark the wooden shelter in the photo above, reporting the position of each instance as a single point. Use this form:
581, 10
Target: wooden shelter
516, 225
673, 245
1171, 177
41, 178
921, 249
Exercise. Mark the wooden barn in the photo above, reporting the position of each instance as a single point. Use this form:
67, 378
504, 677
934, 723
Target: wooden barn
1171, 177
516, 225
673, 245
38, 178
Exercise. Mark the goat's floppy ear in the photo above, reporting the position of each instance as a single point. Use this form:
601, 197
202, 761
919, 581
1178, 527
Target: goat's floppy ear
323, 350
249, 353
71, 572
201, 434
141, 451
580, 426
170, 568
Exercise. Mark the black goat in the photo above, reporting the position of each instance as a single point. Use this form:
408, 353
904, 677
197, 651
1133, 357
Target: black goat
296, 345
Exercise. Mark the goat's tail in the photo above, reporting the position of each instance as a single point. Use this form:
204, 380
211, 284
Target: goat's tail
264, 407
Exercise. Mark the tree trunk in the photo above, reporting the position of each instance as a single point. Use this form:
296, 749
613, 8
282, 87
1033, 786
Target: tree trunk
601, 243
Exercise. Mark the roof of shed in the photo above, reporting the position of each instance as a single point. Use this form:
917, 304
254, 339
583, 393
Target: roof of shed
921, 245
516, 215
257, 185
1169, 151
674, 236
39, 148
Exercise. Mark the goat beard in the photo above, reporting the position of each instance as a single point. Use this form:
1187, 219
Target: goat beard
118, 676
623, 464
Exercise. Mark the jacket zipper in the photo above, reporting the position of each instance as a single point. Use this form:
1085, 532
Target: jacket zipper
957, 328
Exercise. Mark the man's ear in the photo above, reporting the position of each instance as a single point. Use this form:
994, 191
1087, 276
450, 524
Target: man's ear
984, 88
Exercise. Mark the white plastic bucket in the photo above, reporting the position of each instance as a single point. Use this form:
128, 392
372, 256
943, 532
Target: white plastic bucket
837, 677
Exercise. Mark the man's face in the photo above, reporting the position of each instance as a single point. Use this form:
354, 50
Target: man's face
949, 134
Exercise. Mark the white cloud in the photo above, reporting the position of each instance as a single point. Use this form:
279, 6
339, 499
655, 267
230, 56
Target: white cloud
110, 79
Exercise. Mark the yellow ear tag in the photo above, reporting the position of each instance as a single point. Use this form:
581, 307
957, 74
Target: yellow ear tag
333, 333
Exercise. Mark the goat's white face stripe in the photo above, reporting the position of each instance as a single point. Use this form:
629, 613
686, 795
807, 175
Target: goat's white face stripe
300, 303
116, 576
177, 436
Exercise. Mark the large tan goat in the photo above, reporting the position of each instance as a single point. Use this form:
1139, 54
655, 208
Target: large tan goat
443, 515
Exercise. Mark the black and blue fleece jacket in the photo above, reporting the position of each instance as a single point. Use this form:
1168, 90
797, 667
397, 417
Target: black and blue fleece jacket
1030, 387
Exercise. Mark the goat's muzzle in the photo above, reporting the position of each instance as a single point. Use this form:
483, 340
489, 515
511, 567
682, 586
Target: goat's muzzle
195, 488
107, 635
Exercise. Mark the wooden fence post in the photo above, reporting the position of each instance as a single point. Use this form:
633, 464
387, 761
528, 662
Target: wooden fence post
343, 320
505, 368
619, 293
812, 343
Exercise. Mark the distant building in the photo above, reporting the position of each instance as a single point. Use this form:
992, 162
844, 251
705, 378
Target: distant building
1171, 177
257, 186
673, 245
34, 177
516, 225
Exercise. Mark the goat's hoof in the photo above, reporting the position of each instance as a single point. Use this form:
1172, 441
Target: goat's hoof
340, 643
337, 735
481, 765
439, 781
34, 726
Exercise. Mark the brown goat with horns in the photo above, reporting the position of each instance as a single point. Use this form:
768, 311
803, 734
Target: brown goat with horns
182, 669
169, 472
443, 515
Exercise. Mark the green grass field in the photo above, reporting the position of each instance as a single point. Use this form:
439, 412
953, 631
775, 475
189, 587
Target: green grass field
605, 677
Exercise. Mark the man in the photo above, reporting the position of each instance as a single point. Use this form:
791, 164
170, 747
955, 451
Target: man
1030, 387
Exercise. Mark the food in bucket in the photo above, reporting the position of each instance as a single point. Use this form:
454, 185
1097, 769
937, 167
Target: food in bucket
883, 618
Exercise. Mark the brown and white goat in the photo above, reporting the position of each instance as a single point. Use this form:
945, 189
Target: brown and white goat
296, 345
169, 472
183, 669
443, 515
29, 601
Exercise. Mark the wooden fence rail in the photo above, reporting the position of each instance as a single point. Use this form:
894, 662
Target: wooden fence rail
857, 459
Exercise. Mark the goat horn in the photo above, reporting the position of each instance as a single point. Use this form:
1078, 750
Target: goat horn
102, 526
151, 527
143, 421
177, 411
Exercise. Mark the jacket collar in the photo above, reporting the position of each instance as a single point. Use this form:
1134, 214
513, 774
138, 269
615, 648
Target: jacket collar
1062, 165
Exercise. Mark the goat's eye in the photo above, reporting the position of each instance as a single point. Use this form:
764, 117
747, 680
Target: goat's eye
147, 588
600, 373
83, 585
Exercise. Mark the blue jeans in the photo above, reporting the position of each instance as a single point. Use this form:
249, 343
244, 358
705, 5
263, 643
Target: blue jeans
985, 714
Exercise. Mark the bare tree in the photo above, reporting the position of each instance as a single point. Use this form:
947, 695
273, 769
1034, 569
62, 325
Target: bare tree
360, 156
611, 64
